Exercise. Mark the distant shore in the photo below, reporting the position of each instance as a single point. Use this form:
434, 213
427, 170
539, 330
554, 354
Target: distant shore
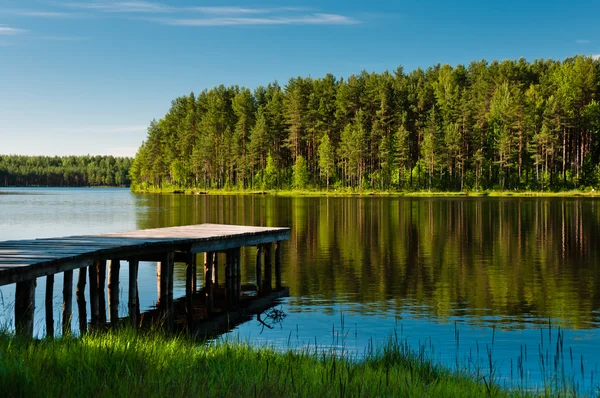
343, 192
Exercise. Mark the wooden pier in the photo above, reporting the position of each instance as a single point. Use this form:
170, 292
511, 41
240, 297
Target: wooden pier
97, 259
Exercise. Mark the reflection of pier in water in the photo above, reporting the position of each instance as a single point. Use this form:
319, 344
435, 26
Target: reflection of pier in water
192, 314
98, 258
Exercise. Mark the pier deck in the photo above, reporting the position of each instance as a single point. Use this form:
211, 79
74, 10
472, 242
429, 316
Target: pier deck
23, 261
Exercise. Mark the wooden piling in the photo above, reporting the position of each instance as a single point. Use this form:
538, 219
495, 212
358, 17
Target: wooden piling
113, 292
49, 306
25, 307
194, 264
164, 274
94, 307
101, 292
228, 277
278, 265
80, 298
189, 277
233, 280
268, 280
133, 291
208, 280
161, 287
259, 287
189, 289
170, 276
238, 273
215, 270
67, 308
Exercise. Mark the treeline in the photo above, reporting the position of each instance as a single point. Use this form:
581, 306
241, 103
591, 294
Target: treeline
65, 171
499, 125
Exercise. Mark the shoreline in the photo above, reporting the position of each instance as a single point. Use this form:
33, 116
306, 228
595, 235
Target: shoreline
370, 193
128, 362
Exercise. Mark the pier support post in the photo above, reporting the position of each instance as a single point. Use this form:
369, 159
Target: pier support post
170, 274
189, 276
24, 307
193, 262
164, 273
67, 308
228, 273
161, 283
209, 263
113, 292
268, 280
189, 288
80, 298
133, 291
259, 287
278, 265
101, 292
238, 273
215, 278
94, 308
49, 306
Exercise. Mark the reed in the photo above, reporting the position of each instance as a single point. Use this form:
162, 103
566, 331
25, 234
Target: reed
132, 363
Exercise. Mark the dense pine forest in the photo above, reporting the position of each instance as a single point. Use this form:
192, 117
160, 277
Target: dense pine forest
499, 125
67, 171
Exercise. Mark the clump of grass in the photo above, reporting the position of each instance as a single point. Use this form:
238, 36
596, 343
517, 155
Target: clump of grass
129, 363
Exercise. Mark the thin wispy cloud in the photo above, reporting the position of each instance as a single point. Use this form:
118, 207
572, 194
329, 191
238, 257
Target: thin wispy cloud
9, 31
206, 16
122, 7
314, 19
582, 41
596, 56
37, 13
221, 10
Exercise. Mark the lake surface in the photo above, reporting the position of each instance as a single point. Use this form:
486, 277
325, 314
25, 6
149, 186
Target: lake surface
467, 280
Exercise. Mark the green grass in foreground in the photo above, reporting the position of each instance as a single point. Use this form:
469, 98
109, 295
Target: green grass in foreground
128, 363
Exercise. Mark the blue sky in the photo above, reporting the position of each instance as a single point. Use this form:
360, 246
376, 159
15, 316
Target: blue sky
87, 77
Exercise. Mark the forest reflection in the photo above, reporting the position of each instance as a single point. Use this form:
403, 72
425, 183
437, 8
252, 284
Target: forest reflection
514, 260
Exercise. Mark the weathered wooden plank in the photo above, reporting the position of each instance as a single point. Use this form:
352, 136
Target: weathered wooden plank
27, 272
25, 307
67, 308
235, 241
49, 306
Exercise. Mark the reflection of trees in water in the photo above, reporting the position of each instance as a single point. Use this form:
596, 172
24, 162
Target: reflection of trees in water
514, 257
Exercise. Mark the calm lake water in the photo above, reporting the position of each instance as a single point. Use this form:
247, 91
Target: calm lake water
468, 280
